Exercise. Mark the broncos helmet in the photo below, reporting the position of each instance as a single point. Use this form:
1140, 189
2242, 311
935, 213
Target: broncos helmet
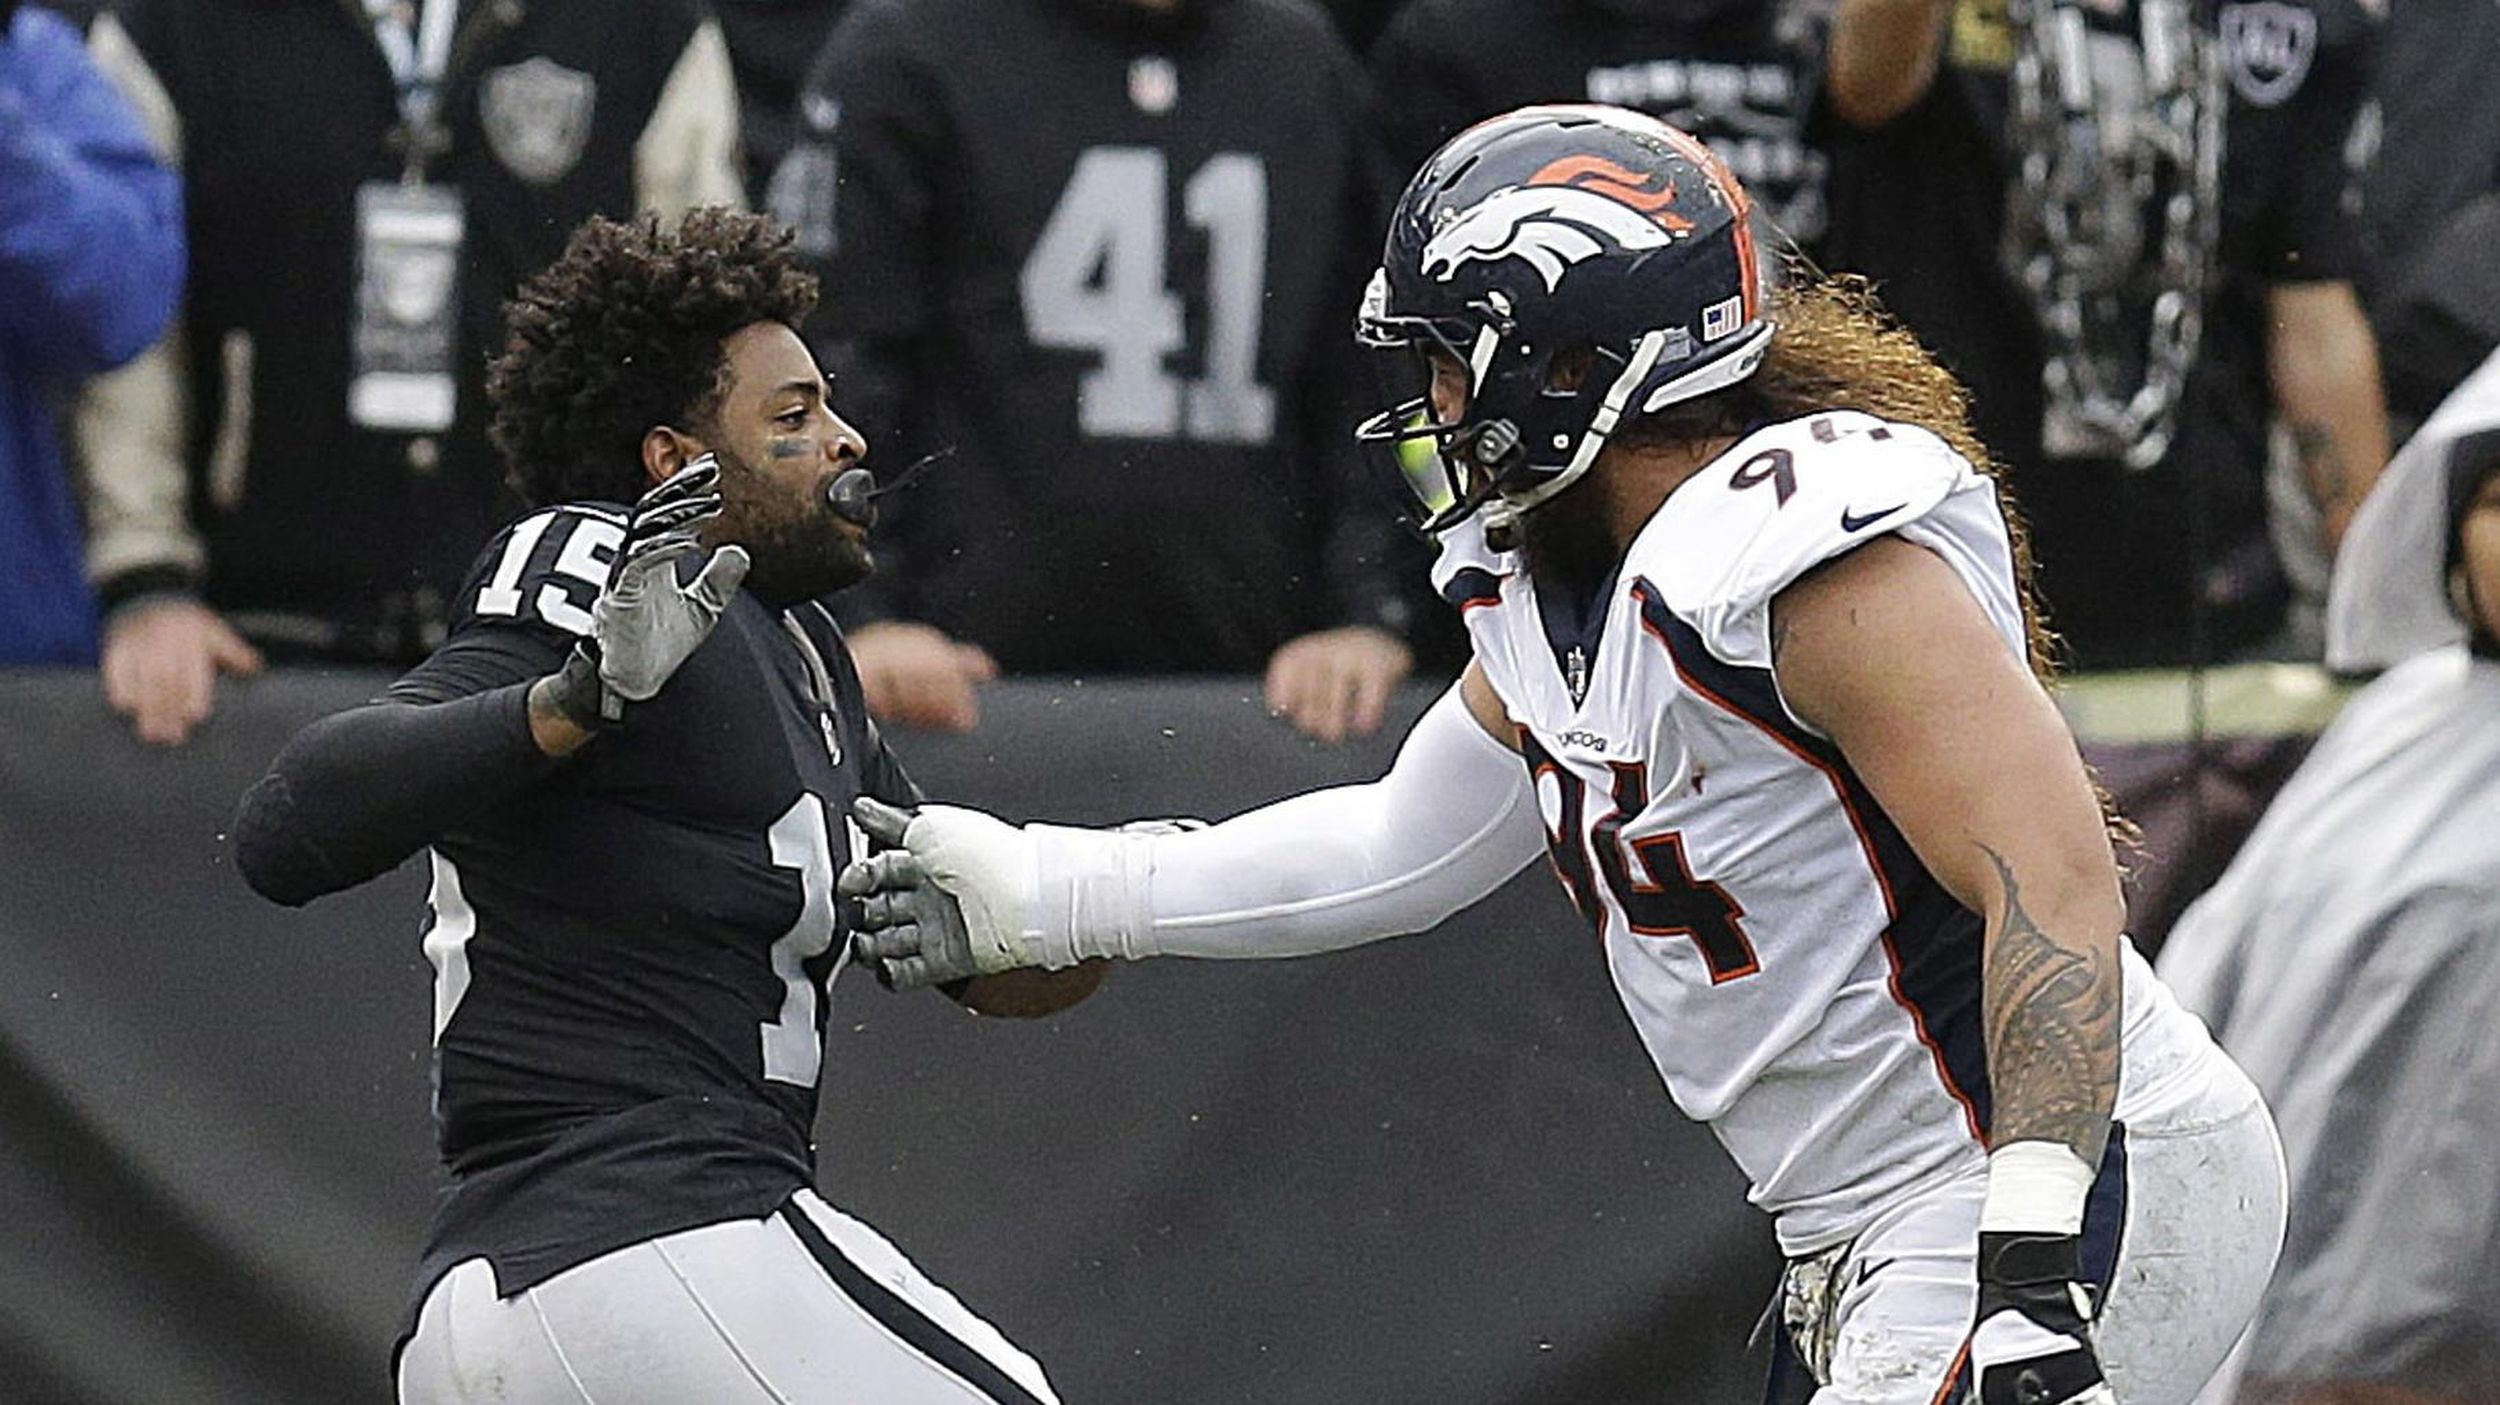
1577, 230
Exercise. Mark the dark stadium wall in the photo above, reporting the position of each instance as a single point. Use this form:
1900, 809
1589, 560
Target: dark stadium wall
1438, 1169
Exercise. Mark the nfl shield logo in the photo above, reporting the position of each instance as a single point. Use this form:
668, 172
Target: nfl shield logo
537, 118
1153, 84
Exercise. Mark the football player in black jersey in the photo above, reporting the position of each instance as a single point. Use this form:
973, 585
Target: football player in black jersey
630, 764
1104, 259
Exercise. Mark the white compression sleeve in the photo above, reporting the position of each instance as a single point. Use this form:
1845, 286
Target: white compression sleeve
1455, 817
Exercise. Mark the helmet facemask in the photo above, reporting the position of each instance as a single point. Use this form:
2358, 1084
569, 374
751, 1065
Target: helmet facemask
1449, 468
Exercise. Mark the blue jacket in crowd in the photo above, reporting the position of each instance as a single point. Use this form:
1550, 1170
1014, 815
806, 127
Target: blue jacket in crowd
91, 258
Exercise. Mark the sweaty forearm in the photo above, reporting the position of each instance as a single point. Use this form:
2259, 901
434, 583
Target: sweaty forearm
355, 793
2051, 1002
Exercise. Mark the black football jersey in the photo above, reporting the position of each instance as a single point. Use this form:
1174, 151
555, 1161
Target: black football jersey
1108, 261
632, 955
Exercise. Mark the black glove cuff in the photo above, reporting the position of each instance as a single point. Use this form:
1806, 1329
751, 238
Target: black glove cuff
2028, 1260
580, 697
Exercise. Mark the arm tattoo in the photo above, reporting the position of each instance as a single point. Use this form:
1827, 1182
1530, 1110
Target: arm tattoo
2052, 1019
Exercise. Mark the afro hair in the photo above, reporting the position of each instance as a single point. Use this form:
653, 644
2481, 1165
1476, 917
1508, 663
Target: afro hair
624, 332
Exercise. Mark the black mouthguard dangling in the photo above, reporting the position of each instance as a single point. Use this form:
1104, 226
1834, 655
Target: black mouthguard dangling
853, 493
853, 497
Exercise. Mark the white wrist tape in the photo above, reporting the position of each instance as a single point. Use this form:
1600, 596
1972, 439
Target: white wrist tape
1090, 897
987, 864
1453, 820
2035, 1187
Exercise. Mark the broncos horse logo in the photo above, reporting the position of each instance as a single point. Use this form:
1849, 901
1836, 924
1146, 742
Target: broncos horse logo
1572, 210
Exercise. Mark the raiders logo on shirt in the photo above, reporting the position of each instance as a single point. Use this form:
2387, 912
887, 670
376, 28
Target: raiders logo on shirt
2268, 46
537, 117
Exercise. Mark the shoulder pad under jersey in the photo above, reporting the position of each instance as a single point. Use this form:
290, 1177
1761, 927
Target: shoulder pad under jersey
1787, 498
544, 570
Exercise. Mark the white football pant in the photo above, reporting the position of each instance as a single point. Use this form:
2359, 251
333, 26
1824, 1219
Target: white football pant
2202, 1223
805, 1306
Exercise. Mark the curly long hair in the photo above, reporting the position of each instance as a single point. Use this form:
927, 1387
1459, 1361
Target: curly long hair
1836, 347
623, 332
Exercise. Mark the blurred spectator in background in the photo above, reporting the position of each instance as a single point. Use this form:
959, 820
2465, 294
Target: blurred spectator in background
2350, 959
304, 471
1739, 74
90, 267
1359, 21
1105, 258
771, 44
2431, 202
2151, 530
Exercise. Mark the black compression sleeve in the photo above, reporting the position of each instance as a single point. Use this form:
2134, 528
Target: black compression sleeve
358, 791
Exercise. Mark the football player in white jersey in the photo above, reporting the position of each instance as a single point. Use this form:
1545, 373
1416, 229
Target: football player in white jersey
1758, 626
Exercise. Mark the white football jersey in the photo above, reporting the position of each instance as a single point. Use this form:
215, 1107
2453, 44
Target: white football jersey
1803, 984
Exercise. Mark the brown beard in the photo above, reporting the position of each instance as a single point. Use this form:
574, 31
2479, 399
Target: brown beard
1568, 545
796, 545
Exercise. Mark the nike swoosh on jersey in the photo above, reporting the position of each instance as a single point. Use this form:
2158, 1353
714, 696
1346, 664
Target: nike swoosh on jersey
1852, 521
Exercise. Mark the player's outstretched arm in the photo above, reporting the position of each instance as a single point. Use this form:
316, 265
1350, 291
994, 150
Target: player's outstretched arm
1889, 654
966, 893
357, 792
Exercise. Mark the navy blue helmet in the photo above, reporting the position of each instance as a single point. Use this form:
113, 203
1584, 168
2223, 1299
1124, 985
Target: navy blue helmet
1594, 236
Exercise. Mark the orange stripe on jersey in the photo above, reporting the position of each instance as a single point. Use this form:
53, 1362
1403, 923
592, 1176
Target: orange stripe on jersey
1953, 1375
1918, 1022
1473, 587
1840, 789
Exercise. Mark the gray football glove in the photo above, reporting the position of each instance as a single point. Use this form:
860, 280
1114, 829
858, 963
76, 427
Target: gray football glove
909, 931
646, 623
959, 893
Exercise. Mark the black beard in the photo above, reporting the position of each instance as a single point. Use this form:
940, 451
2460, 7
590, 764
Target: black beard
1568, 546
797, 549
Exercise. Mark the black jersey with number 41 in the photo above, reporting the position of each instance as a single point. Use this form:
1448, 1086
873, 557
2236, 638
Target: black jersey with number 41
631, 955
